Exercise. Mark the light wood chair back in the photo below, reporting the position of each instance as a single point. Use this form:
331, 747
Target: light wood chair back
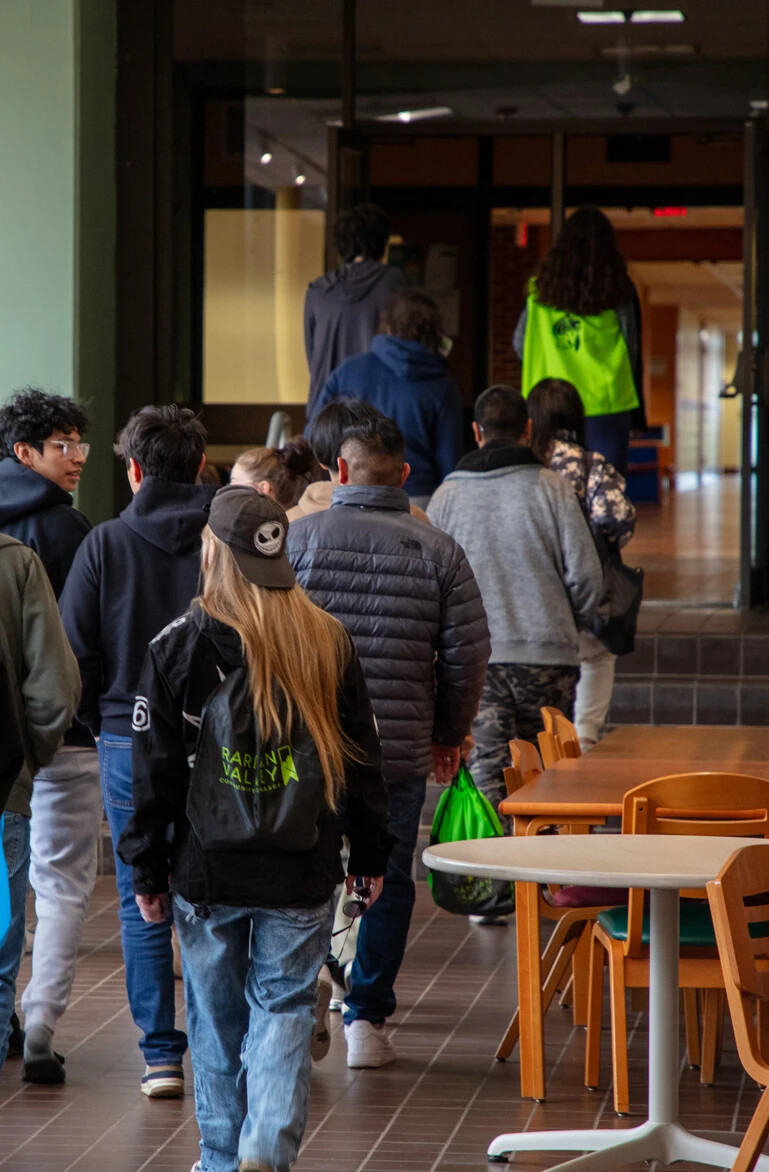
739, 904
714, 804
525, 758
564, 732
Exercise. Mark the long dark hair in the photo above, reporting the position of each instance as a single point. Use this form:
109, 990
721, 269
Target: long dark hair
584, 272
554, 405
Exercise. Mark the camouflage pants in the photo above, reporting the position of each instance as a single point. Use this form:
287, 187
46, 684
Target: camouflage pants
512, 697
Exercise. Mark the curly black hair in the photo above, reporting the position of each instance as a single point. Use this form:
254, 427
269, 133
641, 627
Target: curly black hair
584, 272
31, 415
362, 231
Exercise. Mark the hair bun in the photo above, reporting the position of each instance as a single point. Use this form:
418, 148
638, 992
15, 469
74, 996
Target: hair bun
297, 456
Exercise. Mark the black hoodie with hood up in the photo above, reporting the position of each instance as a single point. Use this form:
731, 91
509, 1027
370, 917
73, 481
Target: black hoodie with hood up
341, 316
130, 578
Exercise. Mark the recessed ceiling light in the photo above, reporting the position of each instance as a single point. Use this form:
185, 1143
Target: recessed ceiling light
657, 16
300, 179
612, 17
276, 90
416, 115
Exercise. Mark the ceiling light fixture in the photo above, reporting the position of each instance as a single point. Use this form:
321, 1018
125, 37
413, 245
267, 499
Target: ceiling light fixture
609, 17
657, 16
265, 154
299, 177
418, 115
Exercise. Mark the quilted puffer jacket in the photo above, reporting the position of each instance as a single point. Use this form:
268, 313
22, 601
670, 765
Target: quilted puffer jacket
409, 599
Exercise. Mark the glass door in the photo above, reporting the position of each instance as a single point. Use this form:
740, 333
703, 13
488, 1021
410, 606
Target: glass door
754, 372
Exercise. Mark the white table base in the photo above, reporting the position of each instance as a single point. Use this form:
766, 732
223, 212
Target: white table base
661, 1137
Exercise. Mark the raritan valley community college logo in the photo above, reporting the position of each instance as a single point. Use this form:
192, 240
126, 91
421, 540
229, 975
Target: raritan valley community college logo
566, 332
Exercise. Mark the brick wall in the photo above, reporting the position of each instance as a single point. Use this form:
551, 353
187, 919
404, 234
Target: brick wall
511, 267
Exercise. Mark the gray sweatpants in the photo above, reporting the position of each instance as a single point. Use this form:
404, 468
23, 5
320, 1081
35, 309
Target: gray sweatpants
66, 818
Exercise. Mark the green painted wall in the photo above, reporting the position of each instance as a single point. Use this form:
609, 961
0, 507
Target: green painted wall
57, 212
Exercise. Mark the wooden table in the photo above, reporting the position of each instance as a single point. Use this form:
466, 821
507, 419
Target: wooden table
664, 864
593, 786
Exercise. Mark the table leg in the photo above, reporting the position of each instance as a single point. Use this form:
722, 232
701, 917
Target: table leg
531, 1042
663, 1006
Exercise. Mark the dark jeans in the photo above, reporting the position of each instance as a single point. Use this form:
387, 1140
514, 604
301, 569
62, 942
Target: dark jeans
510, 702
610, 435
385, 926
16, 850
149, 971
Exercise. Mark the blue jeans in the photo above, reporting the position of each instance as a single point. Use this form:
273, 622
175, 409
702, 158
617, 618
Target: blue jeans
610, 435
385, 926
147, 953
16, 850
250, 982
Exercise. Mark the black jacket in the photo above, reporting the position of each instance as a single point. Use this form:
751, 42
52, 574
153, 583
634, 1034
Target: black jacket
36, 511
183, 666
131, 577
407, 595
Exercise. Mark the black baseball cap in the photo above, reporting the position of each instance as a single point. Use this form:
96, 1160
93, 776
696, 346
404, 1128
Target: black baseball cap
254, 527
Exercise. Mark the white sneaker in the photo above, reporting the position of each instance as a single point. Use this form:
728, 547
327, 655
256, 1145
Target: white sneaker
368, 1045
489, 921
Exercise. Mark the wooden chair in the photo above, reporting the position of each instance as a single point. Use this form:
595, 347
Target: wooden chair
739, 903
570, 923
559, 738
686, 803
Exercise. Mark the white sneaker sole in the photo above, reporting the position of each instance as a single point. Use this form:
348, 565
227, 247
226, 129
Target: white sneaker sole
369, 1062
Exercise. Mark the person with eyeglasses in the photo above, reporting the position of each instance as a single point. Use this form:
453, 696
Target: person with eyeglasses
55, 831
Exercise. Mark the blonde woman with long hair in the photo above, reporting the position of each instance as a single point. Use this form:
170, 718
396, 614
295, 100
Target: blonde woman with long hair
254, 750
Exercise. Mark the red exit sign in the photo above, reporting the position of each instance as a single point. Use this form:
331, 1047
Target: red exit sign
670, 213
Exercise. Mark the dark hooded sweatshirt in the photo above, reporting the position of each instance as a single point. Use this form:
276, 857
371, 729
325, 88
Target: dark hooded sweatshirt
37, 512
130, 578
341, 316
410, 384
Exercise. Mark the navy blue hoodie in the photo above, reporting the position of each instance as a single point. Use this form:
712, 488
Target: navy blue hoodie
130, 578
410, 384
37, 512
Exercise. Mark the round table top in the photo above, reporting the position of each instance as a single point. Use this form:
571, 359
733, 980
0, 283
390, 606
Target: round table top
616, 860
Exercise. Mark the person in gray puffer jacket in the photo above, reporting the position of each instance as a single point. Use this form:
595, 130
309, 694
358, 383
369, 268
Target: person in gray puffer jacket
409, 599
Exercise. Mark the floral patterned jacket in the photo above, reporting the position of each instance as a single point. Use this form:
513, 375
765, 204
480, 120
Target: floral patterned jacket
603, 493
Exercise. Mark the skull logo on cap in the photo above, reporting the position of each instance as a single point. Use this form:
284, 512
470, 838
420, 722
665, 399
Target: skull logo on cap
269, 538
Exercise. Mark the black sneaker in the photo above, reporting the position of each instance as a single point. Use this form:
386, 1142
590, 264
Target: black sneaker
16, 1040
41, 1063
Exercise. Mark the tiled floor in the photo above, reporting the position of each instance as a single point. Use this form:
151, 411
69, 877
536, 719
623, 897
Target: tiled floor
434, 1110
689, 545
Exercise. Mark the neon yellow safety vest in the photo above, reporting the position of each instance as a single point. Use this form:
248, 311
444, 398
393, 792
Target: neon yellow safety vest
590, 352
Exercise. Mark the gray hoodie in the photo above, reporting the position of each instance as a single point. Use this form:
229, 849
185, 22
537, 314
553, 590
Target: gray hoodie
341, 316
530, 549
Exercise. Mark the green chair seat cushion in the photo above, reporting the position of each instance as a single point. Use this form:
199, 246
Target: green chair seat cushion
696, 925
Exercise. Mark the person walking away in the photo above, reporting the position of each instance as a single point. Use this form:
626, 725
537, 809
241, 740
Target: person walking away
43, 458
405, 375
255, 747
582, 324
558, 439
39, 706
539, 574
325, 434
342, 308
282, 473
406, 594
130, 578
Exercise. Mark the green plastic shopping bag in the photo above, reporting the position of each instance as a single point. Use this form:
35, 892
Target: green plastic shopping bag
462, 814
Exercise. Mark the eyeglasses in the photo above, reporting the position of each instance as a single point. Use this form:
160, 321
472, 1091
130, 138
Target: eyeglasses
71, 448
